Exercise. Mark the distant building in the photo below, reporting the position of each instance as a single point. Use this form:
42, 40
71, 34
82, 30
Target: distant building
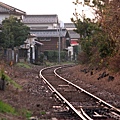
69, 26
45, 32
41, 22
74, 39
46, 29
6, 11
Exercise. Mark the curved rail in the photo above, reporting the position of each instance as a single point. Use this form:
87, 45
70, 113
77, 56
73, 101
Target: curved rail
80, 113
79, 88
85, 117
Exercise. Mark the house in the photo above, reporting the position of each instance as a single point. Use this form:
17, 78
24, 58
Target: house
6, 11
47, 30
41, 22
73, 38
50, 38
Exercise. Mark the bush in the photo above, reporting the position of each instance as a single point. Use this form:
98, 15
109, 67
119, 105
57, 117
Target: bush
52, 56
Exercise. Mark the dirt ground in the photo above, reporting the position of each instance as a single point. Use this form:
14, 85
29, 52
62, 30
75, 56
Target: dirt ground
101, 82
35, 97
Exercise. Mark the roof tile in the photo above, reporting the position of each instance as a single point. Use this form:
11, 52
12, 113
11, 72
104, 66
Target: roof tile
40, 19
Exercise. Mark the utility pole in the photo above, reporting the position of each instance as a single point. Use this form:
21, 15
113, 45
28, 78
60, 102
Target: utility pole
59, 27
59, 45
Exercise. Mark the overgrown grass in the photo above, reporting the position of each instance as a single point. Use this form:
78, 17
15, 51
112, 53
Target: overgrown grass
42, 112
6, 108
3, 119
9, 80
56, 63
25, 65
26, 113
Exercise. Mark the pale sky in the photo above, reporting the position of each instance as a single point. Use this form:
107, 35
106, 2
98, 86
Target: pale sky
63, 8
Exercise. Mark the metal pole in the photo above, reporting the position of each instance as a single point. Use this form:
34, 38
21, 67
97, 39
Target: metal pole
59, 45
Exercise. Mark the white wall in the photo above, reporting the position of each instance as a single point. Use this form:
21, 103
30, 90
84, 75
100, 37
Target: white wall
50, 26
70, 52
3, 16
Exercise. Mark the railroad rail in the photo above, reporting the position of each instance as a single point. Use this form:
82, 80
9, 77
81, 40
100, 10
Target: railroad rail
65, 91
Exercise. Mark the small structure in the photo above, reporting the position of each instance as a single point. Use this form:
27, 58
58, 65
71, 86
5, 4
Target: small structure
74, 40
32, 46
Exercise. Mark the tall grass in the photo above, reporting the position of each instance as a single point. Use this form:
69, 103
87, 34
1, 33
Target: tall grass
9, 80
6, 108
25, 65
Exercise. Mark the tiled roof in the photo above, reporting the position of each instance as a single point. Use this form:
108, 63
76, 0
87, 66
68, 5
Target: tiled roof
39, 28
40, 19
69, 25
49, 33
73, 34
4, 8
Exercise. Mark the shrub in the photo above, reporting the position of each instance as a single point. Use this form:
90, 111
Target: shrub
52, 55
23, 65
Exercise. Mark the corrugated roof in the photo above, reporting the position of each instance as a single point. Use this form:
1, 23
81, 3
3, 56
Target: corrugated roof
40, 19
4, 8
73, 34
49, 33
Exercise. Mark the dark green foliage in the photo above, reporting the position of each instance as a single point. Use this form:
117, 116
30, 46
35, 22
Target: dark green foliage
52, 56
41, 58
99, 38
14, 32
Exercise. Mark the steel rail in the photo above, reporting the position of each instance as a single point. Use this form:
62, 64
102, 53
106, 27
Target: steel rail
60, 96
95, 97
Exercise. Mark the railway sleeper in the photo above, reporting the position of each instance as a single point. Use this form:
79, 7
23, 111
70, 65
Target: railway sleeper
114, 115
60, 108
96, 112
99, 116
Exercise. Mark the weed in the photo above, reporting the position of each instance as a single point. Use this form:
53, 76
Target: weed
42, 112
26, 113
9, 80
6, 108
23, 65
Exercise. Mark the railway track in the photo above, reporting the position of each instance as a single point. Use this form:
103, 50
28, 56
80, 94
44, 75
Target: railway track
81, 104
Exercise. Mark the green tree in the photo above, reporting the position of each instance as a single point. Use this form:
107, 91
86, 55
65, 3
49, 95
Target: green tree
14, 32
102, 33
108, 12
86, 28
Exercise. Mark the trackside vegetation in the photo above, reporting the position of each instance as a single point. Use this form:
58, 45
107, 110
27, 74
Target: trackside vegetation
99, 37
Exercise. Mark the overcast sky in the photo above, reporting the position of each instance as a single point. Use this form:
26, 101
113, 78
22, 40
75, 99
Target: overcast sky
63, 8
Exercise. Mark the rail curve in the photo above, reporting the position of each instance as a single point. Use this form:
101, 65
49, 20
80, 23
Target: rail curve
81, 113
